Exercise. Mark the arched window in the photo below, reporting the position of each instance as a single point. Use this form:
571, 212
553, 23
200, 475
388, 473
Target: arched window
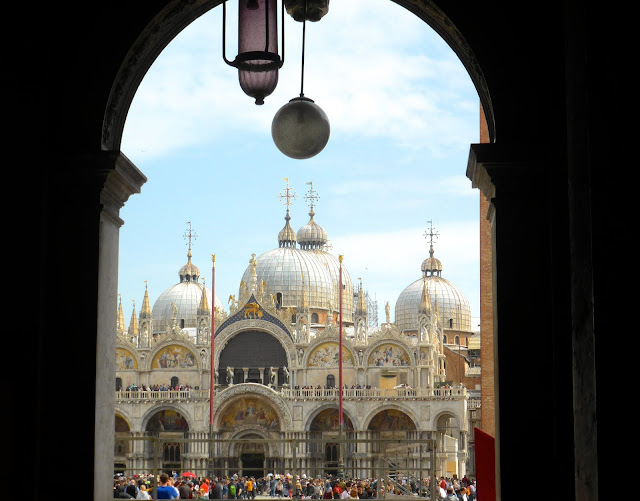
444, 338
331, 381
118, 384
314, 318
279, 299
457, 341
174, 382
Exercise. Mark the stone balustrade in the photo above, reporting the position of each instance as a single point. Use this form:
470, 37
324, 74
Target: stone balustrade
304, 394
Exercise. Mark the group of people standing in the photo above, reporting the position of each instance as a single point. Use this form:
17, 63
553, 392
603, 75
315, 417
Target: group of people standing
286, 486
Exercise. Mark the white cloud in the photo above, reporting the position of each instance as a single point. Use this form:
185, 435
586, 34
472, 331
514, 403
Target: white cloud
367, 78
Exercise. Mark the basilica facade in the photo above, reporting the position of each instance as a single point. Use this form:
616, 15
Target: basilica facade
278, 357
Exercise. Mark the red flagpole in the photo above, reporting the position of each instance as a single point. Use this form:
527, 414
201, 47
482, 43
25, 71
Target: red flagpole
213, 323
340, 344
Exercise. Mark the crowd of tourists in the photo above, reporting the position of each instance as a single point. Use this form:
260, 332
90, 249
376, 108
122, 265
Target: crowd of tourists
285, 486
156, 387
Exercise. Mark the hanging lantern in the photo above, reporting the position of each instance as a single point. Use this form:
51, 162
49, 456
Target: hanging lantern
301, 129
258, 60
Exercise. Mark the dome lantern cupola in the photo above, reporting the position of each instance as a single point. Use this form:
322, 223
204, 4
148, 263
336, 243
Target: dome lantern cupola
431, 265
287, 237
312, 236
189, 272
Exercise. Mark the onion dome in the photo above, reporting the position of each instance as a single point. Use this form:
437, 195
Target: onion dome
312, 235
453, 306
287, 237
431, 265
186, 296
189, 272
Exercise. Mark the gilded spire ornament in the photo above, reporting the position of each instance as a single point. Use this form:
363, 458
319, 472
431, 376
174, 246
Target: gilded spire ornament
146, 303
133, 324
120, 321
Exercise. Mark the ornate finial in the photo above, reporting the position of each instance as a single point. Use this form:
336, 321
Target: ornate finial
431, 235
190, 235
213, 259
312, 197
340, 258
288, 195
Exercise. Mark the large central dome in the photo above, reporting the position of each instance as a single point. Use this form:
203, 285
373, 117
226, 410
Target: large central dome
307, 274
288, 271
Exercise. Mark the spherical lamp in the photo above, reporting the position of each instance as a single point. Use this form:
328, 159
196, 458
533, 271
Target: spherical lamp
300, 129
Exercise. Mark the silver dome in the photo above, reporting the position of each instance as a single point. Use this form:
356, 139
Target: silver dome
283, 269
453, 306
186, 296
333, 265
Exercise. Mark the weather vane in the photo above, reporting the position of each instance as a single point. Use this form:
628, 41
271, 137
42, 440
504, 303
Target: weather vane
430, 234
189, 235
288, 195
312, 197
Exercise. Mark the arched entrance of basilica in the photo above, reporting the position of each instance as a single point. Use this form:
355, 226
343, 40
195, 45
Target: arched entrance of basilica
168, 429
249, 427
252, 456
328, 452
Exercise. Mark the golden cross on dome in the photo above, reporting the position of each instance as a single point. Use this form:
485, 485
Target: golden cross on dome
190, 235
288, 194
312, 197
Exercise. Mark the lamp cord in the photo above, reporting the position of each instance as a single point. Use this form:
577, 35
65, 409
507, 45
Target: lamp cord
304, 29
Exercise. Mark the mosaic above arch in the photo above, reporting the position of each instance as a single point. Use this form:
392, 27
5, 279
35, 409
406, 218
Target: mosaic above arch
249, 411
329, 420
174, 357
125, 360
328, 355
391, 420
389, 355
167, 420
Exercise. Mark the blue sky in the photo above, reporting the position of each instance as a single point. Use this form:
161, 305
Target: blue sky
402, 110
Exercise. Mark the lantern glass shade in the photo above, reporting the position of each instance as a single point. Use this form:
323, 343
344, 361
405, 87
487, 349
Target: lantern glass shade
258, 60
300, 129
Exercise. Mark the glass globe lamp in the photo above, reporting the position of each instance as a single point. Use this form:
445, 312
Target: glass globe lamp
300, 129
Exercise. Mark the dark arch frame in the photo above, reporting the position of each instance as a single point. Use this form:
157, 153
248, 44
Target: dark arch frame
561, 135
